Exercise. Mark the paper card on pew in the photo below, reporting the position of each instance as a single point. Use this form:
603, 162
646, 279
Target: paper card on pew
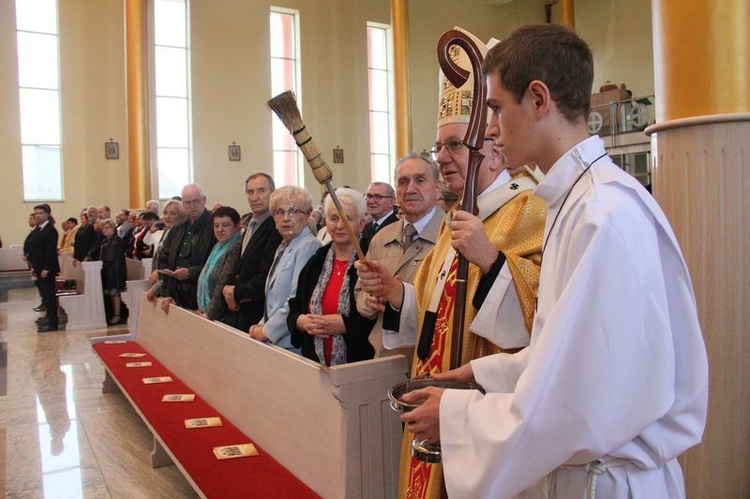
203, 422
139, 364
157, 379
178, 397
114, 342
132, 355
233, 451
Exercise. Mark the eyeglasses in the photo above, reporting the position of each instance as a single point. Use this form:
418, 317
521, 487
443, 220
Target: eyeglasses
376, 197
454, 147
191, 202
292, 211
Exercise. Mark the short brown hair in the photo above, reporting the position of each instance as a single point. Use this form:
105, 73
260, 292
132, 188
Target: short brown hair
551, 53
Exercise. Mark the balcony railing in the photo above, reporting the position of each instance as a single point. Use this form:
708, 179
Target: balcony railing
620, 123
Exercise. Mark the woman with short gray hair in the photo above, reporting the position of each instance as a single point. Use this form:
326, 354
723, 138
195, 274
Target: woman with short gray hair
323, 317
290, 208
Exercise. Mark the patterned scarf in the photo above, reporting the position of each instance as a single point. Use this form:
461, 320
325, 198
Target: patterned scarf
338, 356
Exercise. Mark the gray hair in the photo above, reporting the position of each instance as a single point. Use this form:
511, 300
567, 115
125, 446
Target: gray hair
297, 196
106, 221
198, 187
351, 197
271, 183
432, 166
388, 188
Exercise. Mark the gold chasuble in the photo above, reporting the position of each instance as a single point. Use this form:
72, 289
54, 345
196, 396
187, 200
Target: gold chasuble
516, 228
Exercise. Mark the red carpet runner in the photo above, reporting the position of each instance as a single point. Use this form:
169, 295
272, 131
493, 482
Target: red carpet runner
259, 476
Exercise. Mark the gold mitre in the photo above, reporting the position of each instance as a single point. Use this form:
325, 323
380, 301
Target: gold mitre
454, 104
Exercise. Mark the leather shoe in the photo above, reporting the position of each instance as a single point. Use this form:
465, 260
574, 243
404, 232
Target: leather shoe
40, 308
46, 328
41, 320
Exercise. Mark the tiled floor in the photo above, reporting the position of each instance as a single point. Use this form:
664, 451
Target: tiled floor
60, 436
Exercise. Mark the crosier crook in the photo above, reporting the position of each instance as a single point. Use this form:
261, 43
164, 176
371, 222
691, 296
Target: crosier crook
474, 140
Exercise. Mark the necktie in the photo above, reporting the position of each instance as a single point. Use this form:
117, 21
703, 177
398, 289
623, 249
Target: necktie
410, 233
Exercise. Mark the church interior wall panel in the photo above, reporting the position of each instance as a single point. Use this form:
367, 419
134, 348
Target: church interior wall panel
701, 180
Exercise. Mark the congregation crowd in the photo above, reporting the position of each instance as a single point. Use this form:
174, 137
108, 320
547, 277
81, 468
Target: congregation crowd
283, 272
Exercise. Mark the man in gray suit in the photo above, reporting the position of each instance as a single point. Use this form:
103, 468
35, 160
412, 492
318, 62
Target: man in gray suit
403, 245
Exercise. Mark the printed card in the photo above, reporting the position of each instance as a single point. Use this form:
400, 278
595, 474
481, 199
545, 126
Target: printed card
178, 397
157, 379
132, 355
138, 364
233, 451
203, 422
114, 342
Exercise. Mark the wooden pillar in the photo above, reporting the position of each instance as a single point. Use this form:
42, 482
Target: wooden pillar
701, 178
568, 13
400, 25
136, 56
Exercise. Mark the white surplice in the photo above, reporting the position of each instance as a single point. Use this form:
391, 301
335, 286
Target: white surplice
616, 367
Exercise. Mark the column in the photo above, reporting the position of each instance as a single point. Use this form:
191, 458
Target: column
568, 13
400, 24
136, 56
701, 177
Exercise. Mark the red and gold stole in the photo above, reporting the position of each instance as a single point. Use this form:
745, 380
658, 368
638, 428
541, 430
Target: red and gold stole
516, 228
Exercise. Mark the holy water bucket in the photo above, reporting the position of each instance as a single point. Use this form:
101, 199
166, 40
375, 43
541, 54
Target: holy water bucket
422, 449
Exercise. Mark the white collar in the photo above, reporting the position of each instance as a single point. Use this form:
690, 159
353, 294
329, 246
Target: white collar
567, 168
380, 220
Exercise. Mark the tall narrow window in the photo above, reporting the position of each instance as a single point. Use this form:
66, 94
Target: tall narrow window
39, 96
379, 77
173, 154
287, 161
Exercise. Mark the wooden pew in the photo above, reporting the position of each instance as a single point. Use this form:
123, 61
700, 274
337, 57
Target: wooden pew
12, 260
14, 271
138, 272
68, 266
85, 309
332, 428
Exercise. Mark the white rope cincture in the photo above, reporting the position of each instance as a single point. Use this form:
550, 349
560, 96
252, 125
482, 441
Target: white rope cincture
592, 469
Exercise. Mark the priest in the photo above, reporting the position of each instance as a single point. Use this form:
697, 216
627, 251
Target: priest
502, 243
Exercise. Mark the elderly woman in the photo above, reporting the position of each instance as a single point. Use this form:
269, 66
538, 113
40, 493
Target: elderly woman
172, 214
323, 317
112, 255
220, 265
290, 207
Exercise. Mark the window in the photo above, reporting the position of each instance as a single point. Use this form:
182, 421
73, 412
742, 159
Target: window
172, 97
287, 160
39, 96
380, 79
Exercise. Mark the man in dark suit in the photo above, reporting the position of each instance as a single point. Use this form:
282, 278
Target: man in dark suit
44, 265
185, 250
246, 290
27, 243
86, 236
380, 199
